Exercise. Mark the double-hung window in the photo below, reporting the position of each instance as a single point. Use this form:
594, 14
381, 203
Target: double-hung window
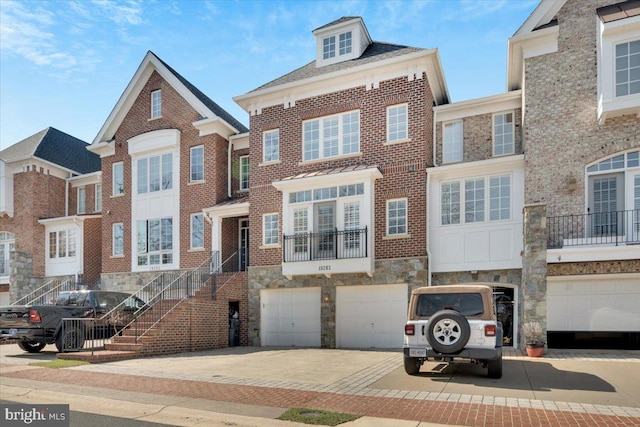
329, 47
244, 173
82, 200
331, 136
474, 200
118, 179
197, 231
156, 104
397, 123
499, 198
270, 230
345, 43
155, 173
627, 68
62, 244
155, 241
503, 134
452, 146
450, 202
271, 146
196, 167
396, 217
117, 244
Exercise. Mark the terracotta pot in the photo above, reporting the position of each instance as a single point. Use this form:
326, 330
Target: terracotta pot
535, 350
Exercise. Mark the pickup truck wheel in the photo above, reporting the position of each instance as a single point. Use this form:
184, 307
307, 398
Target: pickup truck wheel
494, 368
448, 331
72, 340
31, 347
411, 365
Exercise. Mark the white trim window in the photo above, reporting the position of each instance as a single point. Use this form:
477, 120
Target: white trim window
155, 173
450, 202
397, 217
270, 229
156, 104
62, 244
503, 141
331, 136
345, 41
117, 239
474, 200
329, 47
271, 146
452, 142
500, 198
155, 241
82, 200
470, 207
196, 164
197, 231
244, 173
397, 123
118, 179
627, 68
98, 197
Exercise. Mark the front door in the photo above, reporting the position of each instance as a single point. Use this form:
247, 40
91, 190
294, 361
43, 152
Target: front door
606, 199
325, 227
243, 248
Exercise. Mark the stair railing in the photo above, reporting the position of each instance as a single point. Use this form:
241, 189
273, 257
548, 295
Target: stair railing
47, 293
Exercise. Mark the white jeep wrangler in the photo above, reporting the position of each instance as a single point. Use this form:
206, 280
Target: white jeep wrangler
451, 322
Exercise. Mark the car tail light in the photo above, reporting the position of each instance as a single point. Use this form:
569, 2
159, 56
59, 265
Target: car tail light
34, 316
490, 331
409, 329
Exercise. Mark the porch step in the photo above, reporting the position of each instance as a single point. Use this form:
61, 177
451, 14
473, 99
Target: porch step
99, 356
126, 347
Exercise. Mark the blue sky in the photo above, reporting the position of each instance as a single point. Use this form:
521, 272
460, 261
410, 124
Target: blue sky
66, 63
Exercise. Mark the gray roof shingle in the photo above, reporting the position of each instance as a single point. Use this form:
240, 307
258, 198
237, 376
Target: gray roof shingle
376, 51
56, 147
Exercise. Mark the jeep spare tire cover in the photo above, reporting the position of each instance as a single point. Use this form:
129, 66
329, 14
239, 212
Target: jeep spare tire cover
448, 331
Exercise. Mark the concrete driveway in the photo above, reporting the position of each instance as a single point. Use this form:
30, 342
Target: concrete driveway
607, 378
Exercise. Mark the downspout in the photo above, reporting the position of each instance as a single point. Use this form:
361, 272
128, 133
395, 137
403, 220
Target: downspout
66, 195
427, 218
427, 198
229, 168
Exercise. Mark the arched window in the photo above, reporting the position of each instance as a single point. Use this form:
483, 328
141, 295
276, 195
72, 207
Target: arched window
614, 195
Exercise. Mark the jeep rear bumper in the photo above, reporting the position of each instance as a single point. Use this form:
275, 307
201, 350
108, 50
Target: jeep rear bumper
467, 353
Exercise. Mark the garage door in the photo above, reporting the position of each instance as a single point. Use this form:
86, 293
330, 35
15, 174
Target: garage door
594, 304
371, 316
290, 317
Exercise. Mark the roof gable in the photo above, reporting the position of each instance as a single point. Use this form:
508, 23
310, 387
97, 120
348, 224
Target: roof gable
200, 102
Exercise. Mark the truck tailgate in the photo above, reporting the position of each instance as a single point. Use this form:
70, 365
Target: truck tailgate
14, 317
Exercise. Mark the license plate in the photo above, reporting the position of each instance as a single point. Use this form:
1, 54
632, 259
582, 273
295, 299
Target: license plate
417, 352
12, 332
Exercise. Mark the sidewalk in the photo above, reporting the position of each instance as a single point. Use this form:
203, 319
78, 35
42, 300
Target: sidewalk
207, 389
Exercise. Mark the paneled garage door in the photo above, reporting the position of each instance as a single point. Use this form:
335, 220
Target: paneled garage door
371, 316
290, 317
594, 303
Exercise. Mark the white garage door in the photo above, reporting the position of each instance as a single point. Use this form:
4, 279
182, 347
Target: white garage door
594, 304
371, 316
290, 317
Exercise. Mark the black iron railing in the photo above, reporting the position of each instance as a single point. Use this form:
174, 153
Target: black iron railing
338, 244
604, 228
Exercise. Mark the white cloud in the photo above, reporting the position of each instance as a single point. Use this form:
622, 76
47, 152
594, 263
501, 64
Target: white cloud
127, 12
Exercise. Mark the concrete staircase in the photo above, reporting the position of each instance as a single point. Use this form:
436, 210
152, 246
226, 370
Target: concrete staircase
196, 323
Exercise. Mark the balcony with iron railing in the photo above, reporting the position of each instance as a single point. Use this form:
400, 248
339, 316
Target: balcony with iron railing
615, 228
338, 251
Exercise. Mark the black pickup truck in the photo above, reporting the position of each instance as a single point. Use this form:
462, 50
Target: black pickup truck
33, 327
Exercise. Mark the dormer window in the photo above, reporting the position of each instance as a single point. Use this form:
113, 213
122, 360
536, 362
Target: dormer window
342, 40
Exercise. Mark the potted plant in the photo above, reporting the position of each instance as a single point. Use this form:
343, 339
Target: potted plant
533, 336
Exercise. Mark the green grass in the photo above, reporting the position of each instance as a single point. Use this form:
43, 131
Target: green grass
60, 363
317, 417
